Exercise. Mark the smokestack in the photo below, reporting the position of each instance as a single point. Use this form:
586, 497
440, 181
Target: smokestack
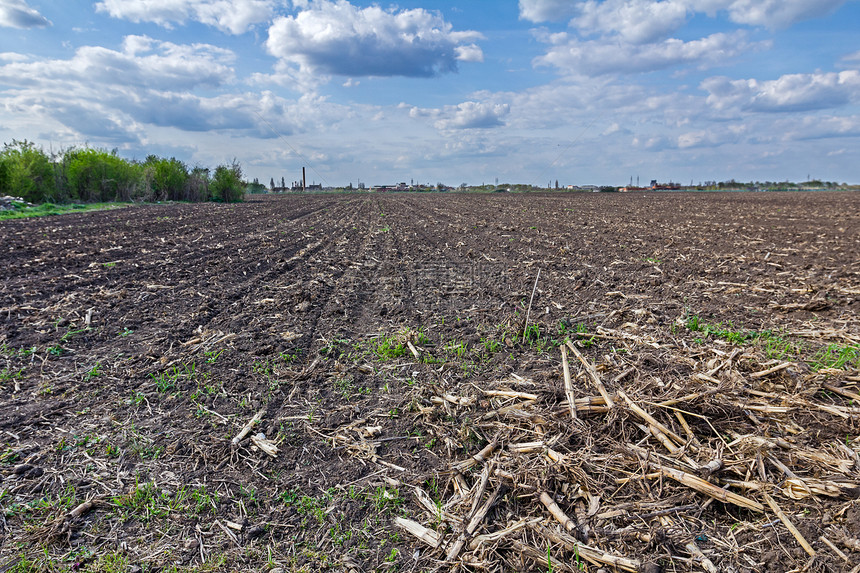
304, 180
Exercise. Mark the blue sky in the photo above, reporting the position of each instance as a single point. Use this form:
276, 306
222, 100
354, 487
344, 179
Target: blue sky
583, 92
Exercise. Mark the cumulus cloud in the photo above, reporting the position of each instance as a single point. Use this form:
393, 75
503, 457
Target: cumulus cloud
646, 20
636, 21
470, 53
776, 13
546, 10
13, 57
19, 14
468, 115
714, 136
233, 16
791, 92
143, 63
826, 127
113, 96
633, 36
472, 115
595, 58
337, 38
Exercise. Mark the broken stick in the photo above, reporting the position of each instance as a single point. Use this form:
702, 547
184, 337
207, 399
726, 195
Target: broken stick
788, 524
592, 372
244, 431
568, 386
476, 520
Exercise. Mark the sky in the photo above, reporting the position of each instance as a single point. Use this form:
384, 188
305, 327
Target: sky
425, 91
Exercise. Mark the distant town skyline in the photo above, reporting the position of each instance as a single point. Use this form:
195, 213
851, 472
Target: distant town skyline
585, 92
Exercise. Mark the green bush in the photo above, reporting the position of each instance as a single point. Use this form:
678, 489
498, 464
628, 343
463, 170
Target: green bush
100, 176
28, 173
165, 179
197, 186
4, 176
97, 175
227, 185
255, 187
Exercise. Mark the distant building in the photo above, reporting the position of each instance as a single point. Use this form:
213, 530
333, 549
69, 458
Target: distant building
670, 186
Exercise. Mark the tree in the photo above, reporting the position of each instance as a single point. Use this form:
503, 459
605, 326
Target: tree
100, 175
272, 184
28, 173
256, 187
227, 185
166, 178
5, 174
197, 184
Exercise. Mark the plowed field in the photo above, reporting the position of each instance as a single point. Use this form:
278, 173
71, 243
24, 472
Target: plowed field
398, 365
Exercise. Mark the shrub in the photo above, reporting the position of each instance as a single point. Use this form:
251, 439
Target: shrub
99, 175
197, 186
4, 176
255, 187
165, 179
227, 185
28, 173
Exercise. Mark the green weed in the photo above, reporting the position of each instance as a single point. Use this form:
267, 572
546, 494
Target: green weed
72, 333
458, 349
387, 500
144, 503
94, 372
166, 381
491, 345
8, 374
332, 348
837, 357
212, 355
289, 358
388, 347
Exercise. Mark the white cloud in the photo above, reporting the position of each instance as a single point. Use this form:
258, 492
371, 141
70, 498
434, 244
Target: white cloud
470, 53
713, 136
13, 57
594, 58
777, 13
337, 38
649, 20
791, 92
546, 10
114, 96
636, 21
851, 60
143, 63
19, 14
472, 115
233, 16
824, 127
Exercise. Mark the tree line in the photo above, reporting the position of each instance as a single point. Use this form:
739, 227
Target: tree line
87, 175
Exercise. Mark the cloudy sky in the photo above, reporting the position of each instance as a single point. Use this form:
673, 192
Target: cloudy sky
585, 92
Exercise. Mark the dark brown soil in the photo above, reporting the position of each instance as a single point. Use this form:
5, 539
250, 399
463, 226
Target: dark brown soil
136, 344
